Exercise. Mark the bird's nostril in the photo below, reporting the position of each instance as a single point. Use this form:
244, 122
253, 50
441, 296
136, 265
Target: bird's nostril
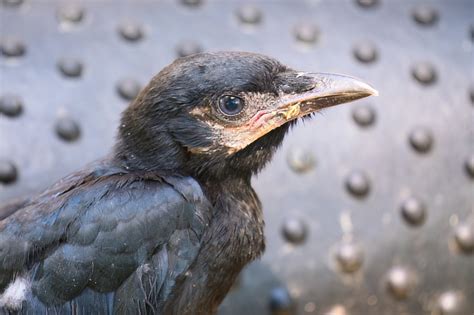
285, 88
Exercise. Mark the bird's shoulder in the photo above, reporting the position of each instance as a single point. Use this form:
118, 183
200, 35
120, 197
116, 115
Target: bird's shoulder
94, 228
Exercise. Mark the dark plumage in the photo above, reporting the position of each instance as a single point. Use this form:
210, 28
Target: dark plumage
166, 222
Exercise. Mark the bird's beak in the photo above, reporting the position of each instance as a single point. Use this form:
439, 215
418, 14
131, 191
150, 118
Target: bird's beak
305, 93
326, 90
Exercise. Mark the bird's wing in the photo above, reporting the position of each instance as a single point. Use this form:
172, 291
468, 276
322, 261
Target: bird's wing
128, 233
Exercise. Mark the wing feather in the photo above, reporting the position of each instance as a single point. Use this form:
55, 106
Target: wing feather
128, 234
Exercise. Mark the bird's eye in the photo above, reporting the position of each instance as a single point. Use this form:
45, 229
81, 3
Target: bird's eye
231, 105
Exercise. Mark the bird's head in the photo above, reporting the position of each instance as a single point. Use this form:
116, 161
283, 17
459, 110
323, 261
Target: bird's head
217, 114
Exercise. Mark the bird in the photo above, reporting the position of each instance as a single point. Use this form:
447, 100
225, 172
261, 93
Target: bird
167, 220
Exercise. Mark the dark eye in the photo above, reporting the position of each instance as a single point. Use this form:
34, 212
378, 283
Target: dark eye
231, 105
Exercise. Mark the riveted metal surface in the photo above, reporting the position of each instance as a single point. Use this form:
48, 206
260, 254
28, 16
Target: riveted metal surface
369, 207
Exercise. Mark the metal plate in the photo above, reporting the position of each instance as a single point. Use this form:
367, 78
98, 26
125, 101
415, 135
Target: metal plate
369, 207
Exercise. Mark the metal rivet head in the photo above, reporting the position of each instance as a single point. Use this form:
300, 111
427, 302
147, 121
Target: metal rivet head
294, 230
300, 161
8, 172
424, 73
70, 67
310, 307
336, 310
471, 95
464, 236
192, 3
471, 31
306, 33
249, 14
71, 13
413, 211
365, 52
400, 282
349, 257
67, 129
12, 47
11, 105
421, 139
425, 15
367, 3
188, 48
130, 31
451, 303
358, 184
12, 3
128, 88
364, 115
280, 302
372, 300
469, 166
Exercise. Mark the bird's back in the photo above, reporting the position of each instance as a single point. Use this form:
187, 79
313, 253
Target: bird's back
101, 241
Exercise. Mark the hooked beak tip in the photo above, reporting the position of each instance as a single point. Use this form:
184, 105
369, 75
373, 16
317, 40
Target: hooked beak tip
367, 89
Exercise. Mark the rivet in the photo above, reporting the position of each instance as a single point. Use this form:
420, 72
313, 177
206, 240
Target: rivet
372, 300
249, 14
399, 282
469, 166
67, 129
11, 105
471, 31
8, 172
71, 13
306, 33
130, 31
424, 73
70, 67
336, 310
364, 115
413, 211
192, 3
294, 230
309, 307
451, 303
349, 257
187, 48
12, 47
365, 52
128, 88
280, 302
367, 3
464, 236
300, 160
471, 95
358, 184
12, 3
425, 15
421, 139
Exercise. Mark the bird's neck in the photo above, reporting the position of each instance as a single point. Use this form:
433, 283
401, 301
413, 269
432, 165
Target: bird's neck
139, 147
236, 206
234, 238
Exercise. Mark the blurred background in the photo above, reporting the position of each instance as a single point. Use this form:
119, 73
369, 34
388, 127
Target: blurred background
369, 207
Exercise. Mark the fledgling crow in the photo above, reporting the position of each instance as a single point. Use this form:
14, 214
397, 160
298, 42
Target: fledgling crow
165, 223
